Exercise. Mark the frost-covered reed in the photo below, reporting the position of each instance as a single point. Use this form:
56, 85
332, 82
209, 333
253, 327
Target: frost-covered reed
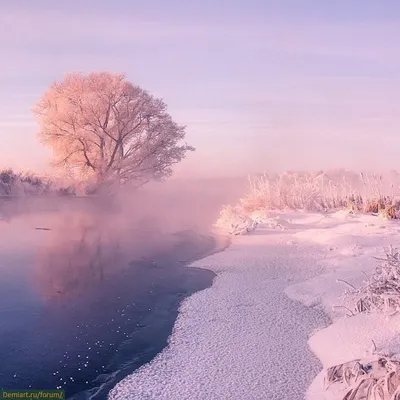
318, 192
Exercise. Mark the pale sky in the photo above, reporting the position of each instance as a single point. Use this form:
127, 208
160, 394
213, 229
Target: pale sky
260, 84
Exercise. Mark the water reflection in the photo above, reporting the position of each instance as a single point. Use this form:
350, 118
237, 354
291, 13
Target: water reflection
78, 253
93, 298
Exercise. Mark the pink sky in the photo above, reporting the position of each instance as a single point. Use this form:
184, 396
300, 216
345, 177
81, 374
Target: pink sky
269, 85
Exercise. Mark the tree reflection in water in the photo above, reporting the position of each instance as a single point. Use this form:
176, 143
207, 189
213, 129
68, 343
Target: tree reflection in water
108, 291
85, 248
80, 252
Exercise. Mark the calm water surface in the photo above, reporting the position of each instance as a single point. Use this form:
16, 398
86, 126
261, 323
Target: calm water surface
83, 305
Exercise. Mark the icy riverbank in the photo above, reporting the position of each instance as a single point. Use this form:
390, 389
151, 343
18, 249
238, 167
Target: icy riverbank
243, 338
89, 300
248, 336
353, 241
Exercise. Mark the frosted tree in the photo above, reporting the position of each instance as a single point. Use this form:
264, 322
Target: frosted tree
103, 128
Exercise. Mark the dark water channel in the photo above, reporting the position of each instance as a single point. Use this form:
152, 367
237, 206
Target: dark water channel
82, 306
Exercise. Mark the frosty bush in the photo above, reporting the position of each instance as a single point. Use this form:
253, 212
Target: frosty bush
320, 191
379, 377
234, 221
294, 190
14, 183
381, 291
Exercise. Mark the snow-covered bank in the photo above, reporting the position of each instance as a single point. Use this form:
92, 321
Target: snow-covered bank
353, 241
249, 336
243, 338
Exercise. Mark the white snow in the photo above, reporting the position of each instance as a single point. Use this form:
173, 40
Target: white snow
352, 244
243, 338
234, 222
250, 335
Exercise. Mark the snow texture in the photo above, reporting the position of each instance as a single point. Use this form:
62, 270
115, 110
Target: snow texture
353, 241
233, 222
243, 338
249, 336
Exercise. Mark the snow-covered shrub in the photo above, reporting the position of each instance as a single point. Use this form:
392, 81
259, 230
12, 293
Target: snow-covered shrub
295, 190
380, 291
233, 221
259, 216
26, 184
319, 191
385, 206
17, 184
66, 191
8, 179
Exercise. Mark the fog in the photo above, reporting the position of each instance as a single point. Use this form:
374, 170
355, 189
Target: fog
171, 205
74, 240
71, 265
182, 204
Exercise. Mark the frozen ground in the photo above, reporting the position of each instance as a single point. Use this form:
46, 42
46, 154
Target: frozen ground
243, 338
352, 242
248, 336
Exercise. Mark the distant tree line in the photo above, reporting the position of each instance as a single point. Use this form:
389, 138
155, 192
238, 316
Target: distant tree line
13, 183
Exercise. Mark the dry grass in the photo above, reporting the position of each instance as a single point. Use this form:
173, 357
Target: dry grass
319, 191
381, 291
293, 191
378, 379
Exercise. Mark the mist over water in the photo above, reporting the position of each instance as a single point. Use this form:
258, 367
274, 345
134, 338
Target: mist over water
91, 287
